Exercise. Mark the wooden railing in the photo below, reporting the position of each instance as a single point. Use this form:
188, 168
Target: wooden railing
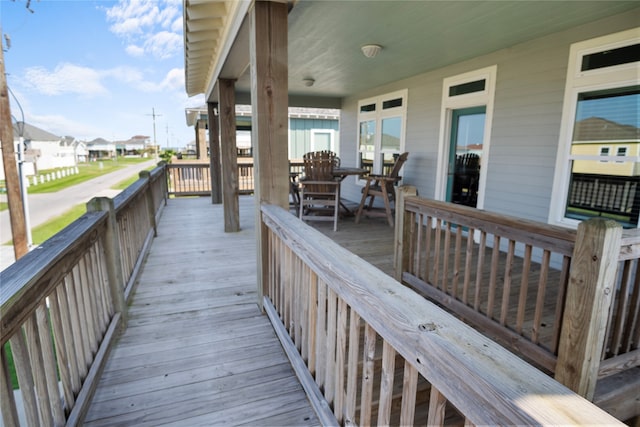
63, 303
512, 279
371, 351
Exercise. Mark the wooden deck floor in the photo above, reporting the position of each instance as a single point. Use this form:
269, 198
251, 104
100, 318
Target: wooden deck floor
197, 350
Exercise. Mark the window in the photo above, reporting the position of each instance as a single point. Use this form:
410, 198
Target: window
601, 118
322, 139
621, 152
381, 130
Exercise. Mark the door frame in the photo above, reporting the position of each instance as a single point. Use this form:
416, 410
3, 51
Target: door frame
484, 97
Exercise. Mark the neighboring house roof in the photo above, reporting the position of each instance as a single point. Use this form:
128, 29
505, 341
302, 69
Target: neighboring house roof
32, 133
99, 141
599, 129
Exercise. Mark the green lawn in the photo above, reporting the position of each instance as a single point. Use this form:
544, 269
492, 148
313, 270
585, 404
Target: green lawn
4, 206
87, 171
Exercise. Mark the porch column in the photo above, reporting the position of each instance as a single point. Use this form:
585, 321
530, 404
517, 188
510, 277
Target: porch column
214, 153
590, 292
269, 74
201, 139
229, 155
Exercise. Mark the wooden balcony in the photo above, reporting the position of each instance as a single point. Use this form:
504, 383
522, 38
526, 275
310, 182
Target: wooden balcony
341, 342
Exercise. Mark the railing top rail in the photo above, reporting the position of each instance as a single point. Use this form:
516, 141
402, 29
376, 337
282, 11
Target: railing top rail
488, 384
551, 237
31, 278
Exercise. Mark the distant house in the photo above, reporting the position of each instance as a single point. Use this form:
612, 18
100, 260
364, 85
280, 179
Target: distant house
135, 146
44, 149
100, 148
79, 148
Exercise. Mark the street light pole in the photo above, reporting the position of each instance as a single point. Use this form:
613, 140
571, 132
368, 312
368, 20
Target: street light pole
23, 189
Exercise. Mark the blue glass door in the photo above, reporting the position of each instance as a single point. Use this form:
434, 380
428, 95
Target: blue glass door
465, 152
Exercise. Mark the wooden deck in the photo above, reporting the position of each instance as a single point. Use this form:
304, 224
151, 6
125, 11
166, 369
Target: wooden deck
197, 350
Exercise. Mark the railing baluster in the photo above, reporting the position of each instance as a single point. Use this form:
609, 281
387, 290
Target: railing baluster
341, 350
481, 253
352, 368
313, 319
468, 269
445, 262
24, 373
329, 378
495, 259
63, 354
506, 290
437, 407
386, 384
542, 288
409, 389
49, 364
456, 262
321, 334
7, 398
524, 285
366, 397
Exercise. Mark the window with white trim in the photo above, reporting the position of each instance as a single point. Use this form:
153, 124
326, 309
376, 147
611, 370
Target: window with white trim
381, 130
601, 117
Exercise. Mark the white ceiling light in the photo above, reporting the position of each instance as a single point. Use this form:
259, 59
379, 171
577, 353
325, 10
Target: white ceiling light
308, 82
371, 50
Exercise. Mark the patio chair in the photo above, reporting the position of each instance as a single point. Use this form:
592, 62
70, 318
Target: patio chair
319, 189
382, 186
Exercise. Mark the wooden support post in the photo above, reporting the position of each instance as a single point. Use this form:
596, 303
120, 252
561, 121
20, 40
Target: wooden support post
146, 175
589, 294
402, 230
229, 155
269, 119
14, 198
165, 181
112, 253
201, 139
214, 153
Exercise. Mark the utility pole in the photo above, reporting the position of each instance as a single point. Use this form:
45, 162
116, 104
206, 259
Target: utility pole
155, 142
16, 207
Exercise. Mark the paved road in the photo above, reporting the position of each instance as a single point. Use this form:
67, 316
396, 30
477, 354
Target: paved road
45, 206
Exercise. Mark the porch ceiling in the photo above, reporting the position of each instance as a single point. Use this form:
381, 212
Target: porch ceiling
325, 39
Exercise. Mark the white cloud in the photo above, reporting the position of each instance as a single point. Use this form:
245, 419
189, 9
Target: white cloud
152, 25
174, 79
66, 78
88, 82
62, 126
163, 44
135, 51
177, 26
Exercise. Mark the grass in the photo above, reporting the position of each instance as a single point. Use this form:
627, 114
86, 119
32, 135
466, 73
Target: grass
87, 171
4, 206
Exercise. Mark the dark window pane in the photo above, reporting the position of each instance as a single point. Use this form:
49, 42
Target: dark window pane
392, 103
609, 58
368, 107
477, 86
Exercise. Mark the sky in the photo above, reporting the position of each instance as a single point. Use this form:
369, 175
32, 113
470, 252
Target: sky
98, 68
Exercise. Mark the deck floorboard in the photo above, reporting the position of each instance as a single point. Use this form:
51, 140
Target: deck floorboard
197, 350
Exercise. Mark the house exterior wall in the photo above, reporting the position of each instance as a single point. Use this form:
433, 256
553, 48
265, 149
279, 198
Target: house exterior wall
526, 120
300, 134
